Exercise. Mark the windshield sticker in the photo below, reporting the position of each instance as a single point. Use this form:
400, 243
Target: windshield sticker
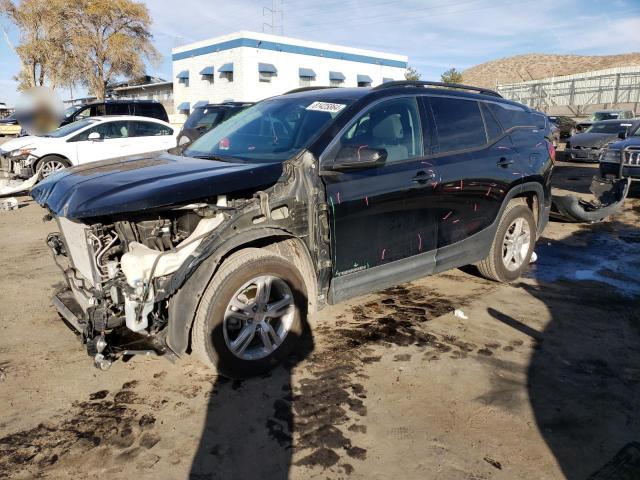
326, 107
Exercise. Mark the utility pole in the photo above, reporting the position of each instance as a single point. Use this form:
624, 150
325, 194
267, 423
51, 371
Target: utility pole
276, 13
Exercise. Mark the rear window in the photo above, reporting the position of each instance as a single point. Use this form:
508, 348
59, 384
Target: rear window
118, 108
458, 124
204, 118
512, 116
153, 110
493, 127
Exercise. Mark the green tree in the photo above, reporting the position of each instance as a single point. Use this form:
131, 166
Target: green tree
411, 73
451, 76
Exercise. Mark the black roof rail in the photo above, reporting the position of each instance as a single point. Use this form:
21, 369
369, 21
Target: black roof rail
305, 89
422, 83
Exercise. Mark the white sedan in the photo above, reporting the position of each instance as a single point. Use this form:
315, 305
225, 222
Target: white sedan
88, 140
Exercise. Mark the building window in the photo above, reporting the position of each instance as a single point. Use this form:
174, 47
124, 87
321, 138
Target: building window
266, 76
336, 83
227, 76
305, 81
364, 81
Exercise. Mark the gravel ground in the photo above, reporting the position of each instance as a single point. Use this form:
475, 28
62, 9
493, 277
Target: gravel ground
540, 381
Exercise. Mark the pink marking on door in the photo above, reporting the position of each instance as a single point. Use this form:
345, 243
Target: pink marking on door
475, 207
488, 192
447, 215
338, 196
383, 252
419, 243
366, 200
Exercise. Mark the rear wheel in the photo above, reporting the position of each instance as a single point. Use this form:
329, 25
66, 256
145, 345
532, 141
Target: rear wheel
50, 164
512, 246
250, 316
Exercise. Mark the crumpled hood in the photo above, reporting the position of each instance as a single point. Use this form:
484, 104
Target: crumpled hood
627, 142
592, 139
145, 182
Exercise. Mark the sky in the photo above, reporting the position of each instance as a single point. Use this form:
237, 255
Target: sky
435, 34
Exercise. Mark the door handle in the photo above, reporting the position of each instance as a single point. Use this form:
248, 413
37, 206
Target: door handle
423, 177
505, 162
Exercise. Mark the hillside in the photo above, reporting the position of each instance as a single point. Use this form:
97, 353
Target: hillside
539, 65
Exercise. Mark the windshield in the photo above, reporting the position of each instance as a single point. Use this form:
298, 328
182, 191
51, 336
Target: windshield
203, 118
612, 128
69, 129
272, 130
598, 116
71, 110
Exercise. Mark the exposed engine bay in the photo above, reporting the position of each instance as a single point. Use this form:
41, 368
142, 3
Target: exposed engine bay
114, 269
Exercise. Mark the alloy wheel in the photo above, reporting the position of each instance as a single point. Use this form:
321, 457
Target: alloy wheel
515, 245
51, 166
258, 317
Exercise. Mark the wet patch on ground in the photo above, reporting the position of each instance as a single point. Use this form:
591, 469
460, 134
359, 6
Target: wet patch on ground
107, 427
330, 402
606, 253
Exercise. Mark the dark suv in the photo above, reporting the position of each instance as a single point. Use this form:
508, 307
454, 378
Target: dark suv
296, 202
140, 108
204, 117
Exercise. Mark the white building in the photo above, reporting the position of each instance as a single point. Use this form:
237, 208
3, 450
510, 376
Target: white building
249, 66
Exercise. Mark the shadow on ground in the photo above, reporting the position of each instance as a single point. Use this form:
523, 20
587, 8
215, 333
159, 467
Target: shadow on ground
584, 375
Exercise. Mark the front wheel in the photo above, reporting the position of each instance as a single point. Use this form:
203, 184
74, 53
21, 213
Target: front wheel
50, 164
251, 314
512, 245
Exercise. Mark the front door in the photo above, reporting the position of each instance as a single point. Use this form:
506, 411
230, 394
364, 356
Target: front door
382, 216
113, 141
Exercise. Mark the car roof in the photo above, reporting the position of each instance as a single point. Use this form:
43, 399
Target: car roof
618, 120
356, 93
612, 110
110, 118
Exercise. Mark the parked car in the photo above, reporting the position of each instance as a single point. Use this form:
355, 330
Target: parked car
204, 118
587, 146
298, 201
601, 115
139, 108
625, 151
87, 140
9, 125
566, 125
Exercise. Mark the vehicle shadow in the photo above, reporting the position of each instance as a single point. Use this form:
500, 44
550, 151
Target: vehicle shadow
248, 431
583, 378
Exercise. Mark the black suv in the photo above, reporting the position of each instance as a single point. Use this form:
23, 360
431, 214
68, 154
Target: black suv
296, 202
204, 117
140, 108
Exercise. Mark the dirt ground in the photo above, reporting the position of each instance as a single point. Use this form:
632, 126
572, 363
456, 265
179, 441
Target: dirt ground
540, 381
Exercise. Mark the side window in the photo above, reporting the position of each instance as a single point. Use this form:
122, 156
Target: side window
493, 127
118, 109
511, 116
458, 124
393, 125
83, 113
107, 131
98, 110
149, 129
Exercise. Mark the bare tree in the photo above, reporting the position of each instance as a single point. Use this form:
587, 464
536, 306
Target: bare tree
111, 38
44, 42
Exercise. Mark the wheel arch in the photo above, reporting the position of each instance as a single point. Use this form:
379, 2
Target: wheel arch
185, 302
50, 156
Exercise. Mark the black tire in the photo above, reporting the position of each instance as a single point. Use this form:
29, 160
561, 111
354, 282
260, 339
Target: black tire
50, 160
493, 267
208, 335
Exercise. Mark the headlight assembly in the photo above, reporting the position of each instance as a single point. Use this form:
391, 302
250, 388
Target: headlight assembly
20, 152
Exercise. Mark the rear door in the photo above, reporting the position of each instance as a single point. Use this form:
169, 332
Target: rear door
149, 137
380, 217
475, 164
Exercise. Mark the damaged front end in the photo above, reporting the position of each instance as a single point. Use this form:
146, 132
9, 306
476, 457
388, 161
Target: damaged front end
115, 270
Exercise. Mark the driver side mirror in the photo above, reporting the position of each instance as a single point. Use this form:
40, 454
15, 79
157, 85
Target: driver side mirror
94, 137
622, 135
357, 157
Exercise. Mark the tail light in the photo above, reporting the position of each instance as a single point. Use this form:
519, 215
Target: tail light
552, 151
